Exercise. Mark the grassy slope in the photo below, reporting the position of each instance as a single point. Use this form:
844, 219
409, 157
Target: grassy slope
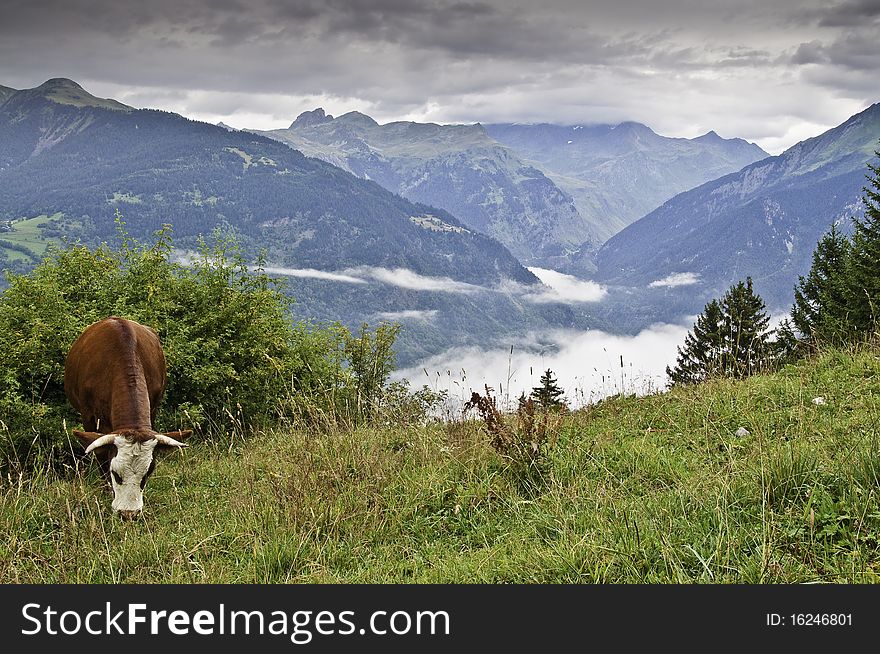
27, 233
648, 490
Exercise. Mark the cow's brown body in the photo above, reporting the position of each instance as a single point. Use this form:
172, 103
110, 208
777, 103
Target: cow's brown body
115, 376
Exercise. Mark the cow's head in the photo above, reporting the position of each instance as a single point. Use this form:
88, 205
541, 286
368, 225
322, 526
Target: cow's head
128, 457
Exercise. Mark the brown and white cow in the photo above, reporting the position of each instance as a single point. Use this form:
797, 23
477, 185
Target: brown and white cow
115, 377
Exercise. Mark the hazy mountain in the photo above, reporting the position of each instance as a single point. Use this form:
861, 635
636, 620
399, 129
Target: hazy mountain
458, 168
76, 158
618, 173
60, 91
5, 92
762, 221
64, 151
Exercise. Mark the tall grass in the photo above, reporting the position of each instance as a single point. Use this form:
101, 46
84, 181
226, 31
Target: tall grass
657, 489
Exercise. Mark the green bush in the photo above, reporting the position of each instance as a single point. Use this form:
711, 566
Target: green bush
234, 355
370, 360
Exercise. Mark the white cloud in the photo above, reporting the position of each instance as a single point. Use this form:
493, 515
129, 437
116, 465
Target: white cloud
676, 279
410, 314
556, 286
770, 72
405, 278
315, 274
586, 364
560, 287
400, 277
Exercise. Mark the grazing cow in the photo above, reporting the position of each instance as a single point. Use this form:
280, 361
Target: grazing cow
115, 377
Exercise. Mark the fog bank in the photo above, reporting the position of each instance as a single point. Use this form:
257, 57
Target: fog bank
587, 365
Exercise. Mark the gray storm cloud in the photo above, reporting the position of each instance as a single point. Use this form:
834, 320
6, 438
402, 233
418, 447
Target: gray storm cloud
773, 72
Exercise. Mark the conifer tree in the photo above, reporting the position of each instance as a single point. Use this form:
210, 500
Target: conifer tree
730, 338
746, 338
863, 271
821, 299
548, 393
787, 346
701, 356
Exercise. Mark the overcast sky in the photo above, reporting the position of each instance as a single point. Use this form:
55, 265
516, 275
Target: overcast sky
771, 71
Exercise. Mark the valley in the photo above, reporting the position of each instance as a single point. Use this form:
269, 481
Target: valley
440, 227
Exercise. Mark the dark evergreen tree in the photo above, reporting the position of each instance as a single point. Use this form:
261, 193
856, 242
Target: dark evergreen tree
787, 346
864, 261
746, 338
701, 356
730, 338
548, 393
821, 299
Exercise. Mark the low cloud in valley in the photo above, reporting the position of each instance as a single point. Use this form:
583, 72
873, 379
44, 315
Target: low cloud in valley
311, 273
409, 314
559, 287
676, 279
587, 364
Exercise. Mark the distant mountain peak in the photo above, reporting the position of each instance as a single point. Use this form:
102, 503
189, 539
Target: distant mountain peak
309, 118
711, 135
60, 83
618, 173
633, 126
357, 118
65, 91
763, 220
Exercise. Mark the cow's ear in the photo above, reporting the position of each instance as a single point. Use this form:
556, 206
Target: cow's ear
86, 438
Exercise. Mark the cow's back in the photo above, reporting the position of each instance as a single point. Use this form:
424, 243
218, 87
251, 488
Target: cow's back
115, 372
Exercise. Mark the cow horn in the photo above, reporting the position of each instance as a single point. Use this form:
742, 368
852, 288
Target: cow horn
167, 440
106, 439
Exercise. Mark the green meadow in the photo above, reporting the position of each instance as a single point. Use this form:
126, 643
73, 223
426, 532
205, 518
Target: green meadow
26, 234
644, 490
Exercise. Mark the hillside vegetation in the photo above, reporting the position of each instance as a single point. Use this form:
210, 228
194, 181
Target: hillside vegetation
458, 168
638, 490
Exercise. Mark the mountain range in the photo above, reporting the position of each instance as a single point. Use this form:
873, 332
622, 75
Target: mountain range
618, 173
64, 151
430, 225
551, 194
455, 167
762, 221
353, 251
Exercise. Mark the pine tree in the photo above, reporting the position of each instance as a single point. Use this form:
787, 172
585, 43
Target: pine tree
730, 338
701, 356
863, 271
787, 347
821, 299
548, 393
746, 339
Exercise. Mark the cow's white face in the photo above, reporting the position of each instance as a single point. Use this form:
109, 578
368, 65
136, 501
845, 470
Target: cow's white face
129, 470
130, 459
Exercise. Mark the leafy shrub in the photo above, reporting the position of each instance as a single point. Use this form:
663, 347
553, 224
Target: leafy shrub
230, 344
404, 406
371, 360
